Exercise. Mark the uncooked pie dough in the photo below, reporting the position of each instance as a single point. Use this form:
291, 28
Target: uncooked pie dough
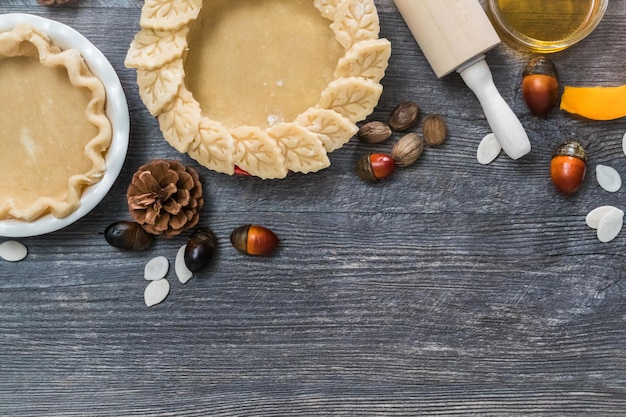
54, 129
270, 86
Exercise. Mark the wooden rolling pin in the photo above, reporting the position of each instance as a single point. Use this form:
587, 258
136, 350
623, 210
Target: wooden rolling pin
454, 35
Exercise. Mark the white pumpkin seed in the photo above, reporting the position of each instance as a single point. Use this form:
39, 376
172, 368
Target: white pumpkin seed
182, 272
13, 251
608, 178
156, 268
624, 144
156, 292
594, 216
610, 225
488, 149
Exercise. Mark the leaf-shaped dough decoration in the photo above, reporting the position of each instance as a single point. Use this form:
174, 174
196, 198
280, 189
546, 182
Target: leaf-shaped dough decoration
179, 122
328, 8
368, 59
304, 152
213, 147
333, 129
355, 21
151, 49
157, 88
257, 153
168, 14
354, 98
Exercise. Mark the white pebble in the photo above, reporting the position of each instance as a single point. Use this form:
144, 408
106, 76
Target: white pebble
13, 251
156, 268
156, 292
488, 149
182, 272
608, 178
610, 225
594, 216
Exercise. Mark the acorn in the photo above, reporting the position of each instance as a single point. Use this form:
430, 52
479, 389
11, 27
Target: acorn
200, 249
252, 239
128, 235
568, 167
540, 86
375, 166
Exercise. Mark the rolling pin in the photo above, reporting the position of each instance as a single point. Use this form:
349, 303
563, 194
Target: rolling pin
454, 35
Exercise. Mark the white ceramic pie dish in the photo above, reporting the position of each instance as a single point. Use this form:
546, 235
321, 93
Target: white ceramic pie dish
116, 110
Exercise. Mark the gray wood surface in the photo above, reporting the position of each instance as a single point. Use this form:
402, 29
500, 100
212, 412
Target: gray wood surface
451, 289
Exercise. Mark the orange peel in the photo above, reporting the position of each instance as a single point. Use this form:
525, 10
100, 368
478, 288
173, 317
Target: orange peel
595, 103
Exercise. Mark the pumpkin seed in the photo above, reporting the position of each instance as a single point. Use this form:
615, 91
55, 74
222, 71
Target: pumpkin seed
608, 178
594, 216
182, 272
488, 149
610, 225
156, 292
13, 251
156, 268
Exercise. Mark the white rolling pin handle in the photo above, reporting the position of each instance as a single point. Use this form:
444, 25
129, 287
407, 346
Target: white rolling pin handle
503, 122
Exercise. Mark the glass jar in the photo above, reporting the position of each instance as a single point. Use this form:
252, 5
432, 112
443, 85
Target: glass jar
545, 25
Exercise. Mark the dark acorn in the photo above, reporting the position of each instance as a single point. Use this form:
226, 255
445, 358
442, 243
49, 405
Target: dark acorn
540, 86
200, 249
568, 167
254, 240
375, 166
128, 236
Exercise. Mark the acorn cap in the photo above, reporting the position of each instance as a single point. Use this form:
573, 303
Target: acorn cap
573, 149
542, 66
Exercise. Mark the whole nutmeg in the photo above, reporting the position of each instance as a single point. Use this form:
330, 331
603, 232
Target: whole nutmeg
435, 129
568, 167
540, 86
375, 166
404, 116
408, 149
374, 132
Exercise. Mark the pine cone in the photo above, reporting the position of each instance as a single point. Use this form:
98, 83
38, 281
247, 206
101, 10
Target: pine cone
165, 197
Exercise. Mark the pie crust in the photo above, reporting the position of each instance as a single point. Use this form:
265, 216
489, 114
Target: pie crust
55, 130
299, 143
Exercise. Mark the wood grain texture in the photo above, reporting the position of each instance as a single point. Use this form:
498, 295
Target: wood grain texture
453, 289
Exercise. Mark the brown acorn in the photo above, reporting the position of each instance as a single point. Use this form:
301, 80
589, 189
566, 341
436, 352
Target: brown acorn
252, 239
375, 166
200, 249
128, 236
568, 167
540, 86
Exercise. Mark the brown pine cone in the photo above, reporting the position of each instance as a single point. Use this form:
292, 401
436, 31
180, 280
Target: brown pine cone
165, 197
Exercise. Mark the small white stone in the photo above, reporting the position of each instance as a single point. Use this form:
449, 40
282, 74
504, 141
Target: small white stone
608, 178
488, 149
182, 272
594, 216
156, 268
610, 225
156, 292
13, 251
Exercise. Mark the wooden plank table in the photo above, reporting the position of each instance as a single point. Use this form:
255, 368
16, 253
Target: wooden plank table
451, 289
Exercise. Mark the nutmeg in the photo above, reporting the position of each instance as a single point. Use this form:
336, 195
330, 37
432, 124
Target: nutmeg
404, 116
435, 129
408, 149
374, 132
